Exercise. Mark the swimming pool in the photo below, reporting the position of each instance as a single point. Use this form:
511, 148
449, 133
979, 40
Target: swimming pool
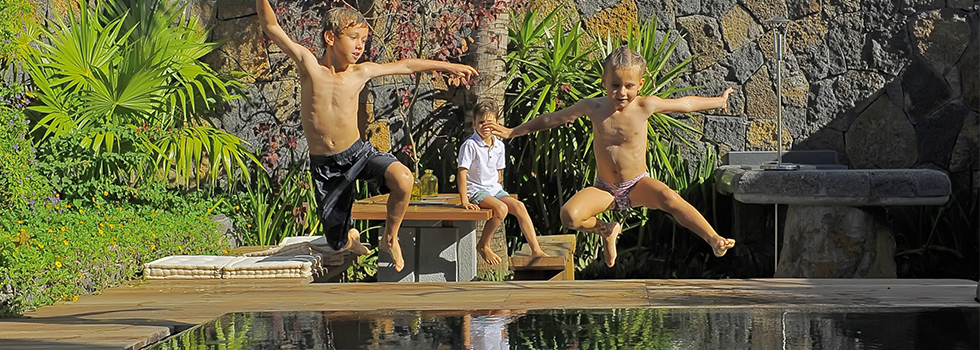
652, 328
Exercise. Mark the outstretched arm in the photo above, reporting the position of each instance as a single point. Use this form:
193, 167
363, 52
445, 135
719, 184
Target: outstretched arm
545, 121
414, 65
267, 20
688, 104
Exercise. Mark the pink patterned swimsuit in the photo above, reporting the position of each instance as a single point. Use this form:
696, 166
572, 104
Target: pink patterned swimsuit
620, 191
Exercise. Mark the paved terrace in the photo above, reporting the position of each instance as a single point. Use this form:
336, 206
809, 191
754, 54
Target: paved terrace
136, 314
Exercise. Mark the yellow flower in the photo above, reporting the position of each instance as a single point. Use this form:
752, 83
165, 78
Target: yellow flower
80, 211
50, 230
111, 226
105, 193
20, 221
74, 298
81, 275
209, 210
98, 207
66, 242
236, 207
153, 246
154, 235
57, 264
180, 247
113, 243
40, 245
101, 225
63, 228
67, 205
100, 231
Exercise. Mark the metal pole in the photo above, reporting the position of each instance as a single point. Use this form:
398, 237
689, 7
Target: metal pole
782, 24
779, 93
976, 10
779, 35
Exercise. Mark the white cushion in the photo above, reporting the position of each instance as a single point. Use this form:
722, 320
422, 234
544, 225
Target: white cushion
187, 266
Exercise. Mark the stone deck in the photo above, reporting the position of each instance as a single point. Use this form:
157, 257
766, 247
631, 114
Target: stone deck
133, 315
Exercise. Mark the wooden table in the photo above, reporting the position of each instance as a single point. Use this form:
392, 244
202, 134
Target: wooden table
438, 241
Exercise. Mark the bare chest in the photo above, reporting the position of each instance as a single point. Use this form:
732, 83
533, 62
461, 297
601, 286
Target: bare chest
619, 129
333, 88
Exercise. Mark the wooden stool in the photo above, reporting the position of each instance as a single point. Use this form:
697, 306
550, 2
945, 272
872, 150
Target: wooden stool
559, 266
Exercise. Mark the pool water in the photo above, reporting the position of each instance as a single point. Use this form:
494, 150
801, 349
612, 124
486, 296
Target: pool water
661, 328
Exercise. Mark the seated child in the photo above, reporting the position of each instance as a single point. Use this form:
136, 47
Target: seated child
481, 163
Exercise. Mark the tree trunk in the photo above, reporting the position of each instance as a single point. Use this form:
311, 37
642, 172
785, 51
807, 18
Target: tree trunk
490, 48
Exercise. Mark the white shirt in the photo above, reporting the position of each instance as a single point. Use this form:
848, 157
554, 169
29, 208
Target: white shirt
482, 162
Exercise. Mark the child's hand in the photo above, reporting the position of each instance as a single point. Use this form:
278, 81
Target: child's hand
470, 206
461, 73
724, 97
501, 131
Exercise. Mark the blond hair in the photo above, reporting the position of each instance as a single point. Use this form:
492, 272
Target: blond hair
624, 58
340, 18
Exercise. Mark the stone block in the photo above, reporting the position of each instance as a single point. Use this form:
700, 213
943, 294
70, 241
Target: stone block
835, 242
438, 254
466, 260
407, 239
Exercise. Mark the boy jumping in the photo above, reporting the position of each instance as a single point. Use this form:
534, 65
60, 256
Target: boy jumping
329, 90
619, 122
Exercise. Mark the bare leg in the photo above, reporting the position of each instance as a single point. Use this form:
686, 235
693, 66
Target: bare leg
399, 181
518, 210
354, 243
652, 193
499, 210
579, 213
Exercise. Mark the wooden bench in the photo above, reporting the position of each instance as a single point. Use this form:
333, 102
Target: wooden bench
559, 266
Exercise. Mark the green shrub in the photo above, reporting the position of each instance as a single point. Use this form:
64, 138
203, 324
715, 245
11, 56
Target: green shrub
63, 251
21, 183
14, 17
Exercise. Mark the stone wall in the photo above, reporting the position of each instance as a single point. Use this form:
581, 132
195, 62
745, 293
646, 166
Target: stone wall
886, 84
268, 117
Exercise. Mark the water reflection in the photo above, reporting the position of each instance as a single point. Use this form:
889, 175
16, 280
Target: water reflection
761, 328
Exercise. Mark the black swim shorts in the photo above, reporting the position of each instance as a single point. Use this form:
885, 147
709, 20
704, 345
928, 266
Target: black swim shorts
333, 184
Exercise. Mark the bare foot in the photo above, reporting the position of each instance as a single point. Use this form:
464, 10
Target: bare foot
354, 243
614, 228
390, 244
488, 255
721, 246
539, 254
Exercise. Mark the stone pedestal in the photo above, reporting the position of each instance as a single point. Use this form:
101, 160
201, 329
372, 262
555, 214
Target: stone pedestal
434, 251
835, 242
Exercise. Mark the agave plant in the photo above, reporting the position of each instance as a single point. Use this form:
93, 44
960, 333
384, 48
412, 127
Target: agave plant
550, 68
137, 67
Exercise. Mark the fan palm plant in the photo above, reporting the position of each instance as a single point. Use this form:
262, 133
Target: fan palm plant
137, 67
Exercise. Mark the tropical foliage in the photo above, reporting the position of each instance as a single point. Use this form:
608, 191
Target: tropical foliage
126, 80
550, 67
14, 17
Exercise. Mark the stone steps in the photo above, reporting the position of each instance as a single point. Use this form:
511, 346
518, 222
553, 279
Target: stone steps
559, 266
